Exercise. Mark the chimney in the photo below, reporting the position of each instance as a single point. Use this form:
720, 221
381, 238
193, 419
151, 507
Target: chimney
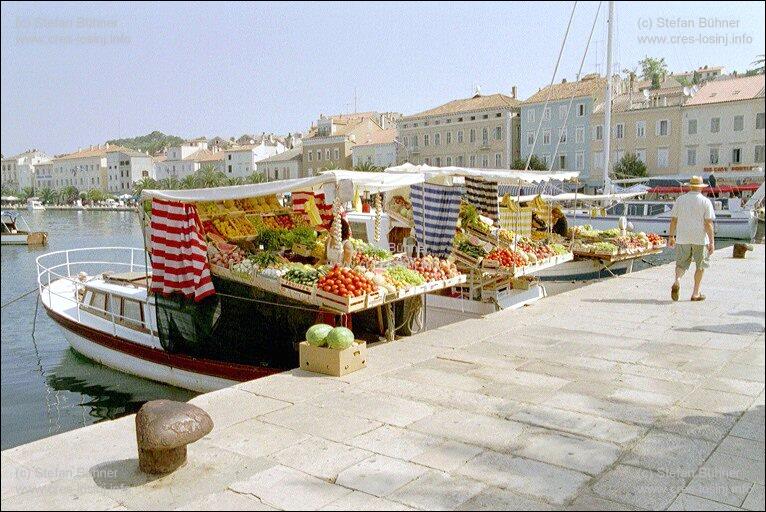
563, 80
513, 92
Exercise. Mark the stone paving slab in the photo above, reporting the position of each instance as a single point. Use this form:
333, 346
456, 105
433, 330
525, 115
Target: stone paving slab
606, 397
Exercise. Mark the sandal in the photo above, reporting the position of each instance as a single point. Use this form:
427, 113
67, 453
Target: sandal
674, 291
698, 298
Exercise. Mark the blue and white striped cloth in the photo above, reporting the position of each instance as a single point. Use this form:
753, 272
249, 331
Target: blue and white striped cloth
440, 213
483, 195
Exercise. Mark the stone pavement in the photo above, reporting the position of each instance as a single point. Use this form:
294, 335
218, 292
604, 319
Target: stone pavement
607, 397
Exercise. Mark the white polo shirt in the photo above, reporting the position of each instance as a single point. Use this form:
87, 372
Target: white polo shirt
692, 210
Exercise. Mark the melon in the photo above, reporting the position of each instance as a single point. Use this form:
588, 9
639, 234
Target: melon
340, 338
317, 334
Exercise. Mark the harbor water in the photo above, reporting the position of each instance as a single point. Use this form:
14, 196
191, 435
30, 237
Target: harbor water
46, 387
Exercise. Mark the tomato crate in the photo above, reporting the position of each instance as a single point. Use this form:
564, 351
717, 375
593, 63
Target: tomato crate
341, 304
375, 299
309, 290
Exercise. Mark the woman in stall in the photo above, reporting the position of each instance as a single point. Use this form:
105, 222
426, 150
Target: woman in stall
560, 225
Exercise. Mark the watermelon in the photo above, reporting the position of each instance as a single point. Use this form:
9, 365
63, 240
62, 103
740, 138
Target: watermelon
317, 334
340, 338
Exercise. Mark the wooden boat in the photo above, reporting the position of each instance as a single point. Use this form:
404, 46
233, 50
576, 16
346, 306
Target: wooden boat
16, 231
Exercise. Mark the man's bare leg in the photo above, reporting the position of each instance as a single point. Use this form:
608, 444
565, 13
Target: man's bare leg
698, 281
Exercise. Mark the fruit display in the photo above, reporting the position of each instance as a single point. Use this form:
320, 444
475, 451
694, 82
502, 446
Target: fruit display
400, 206
210, 209
283, 221
656, 240
375, 253
233, 227
433, 268
403, 277
506, 236
540, 251
345, 283
470, 218
558, 249
225, 255
303, 274
470, 249
508, 258
210, 228
263, 204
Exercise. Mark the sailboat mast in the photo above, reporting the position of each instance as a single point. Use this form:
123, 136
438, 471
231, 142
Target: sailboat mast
608, 100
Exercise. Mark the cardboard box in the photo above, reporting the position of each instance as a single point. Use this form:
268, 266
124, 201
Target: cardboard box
333, 362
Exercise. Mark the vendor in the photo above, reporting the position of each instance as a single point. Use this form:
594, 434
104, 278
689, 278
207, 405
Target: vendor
538, 224
560, 225
345, 256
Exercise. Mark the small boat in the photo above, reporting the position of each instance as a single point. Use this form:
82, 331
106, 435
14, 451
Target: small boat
34, 203
111, 318
16, 231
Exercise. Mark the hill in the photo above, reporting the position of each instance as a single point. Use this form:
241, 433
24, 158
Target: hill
152, 142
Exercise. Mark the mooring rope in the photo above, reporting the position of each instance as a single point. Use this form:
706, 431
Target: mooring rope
26, 294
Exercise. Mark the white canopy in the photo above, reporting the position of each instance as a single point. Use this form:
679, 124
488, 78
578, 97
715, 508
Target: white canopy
504, 176
377, 181
571, 196
10, 198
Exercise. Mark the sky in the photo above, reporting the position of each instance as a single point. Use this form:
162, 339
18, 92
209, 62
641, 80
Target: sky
76, 74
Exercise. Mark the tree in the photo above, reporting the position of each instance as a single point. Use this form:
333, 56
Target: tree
535, 164
8, 191
367, 167
96, 195
47, 196
146, 183
630, 166
27, 192
68, 194
208, 176
759, 63
256, 177
653, 69
237, 180
332, 166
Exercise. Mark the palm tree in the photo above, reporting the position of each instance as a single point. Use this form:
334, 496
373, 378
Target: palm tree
367, 167
653, 69
47, 196
146, 183
237, 180
256, 177
758, 63
68, 194
27, 192
208, 176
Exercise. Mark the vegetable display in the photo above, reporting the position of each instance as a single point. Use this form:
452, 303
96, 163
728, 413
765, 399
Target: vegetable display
339, 338
433, 268
305, 275
507, 258
317, 334
471, 249
403, 277
345, 283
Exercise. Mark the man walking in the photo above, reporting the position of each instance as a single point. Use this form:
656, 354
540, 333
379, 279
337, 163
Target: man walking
692, 234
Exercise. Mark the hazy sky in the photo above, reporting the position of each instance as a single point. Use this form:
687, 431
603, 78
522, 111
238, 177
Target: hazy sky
75, 74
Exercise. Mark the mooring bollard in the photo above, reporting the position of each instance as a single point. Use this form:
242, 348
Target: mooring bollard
740, 250
163, 429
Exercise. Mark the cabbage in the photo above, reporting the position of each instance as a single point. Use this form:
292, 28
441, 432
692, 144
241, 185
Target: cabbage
317, 334
340, 338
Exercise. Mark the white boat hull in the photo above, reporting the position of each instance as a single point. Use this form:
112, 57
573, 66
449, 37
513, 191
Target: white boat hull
583, 270
14, 239
737, 228
142, 368
447, 310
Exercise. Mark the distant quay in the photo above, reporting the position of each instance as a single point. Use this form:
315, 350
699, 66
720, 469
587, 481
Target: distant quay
77, 208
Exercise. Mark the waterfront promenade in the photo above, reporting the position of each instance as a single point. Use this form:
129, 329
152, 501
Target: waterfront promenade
609, 397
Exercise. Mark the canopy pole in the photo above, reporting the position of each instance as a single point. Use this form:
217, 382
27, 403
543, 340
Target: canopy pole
608, 99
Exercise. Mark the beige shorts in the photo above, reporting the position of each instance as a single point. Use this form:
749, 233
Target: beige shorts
686, 253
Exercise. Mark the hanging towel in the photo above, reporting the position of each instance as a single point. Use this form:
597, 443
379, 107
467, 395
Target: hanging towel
483, 195
439, 213
179, 251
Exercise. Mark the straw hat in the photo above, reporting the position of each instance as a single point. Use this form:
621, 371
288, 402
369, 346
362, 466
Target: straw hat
696, 183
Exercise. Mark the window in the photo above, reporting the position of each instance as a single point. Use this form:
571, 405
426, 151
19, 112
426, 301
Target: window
438, 161
460, 161
472, 136
485, 136
547, 114
449, 138
531, 116
619, 131
499, 161
437, 139
579, 161
229, 157
563, 135
562, 162
460, 136
739, 123
715, 125
319, 155
580, 109
530, 138
691, 128
758, 158
663, 127
580, 134
131, 313
415, 141
641, 155
736, 156
618, 154
449, 161
759, 121
485, 161
498, 133
714, 152
547, 137
562, 111
425, 140
427, 161
337, 153
229, 168
691, 156
472, 160
327, 154
598, 132
663, 158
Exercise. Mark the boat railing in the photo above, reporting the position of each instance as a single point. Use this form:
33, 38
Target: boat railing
67, 265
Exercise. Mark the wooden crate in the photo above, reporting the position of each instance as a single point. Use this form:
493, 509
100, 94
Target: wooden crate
479, 235
341, 304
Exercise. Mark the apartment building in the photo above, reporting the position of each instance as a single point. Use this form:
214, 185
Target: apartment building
379, 149
242, 161
723, 126
18, 172
480, 131
283, 166
124, 167
87, 169
562, 141
186, 159
330, 142
646, 123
